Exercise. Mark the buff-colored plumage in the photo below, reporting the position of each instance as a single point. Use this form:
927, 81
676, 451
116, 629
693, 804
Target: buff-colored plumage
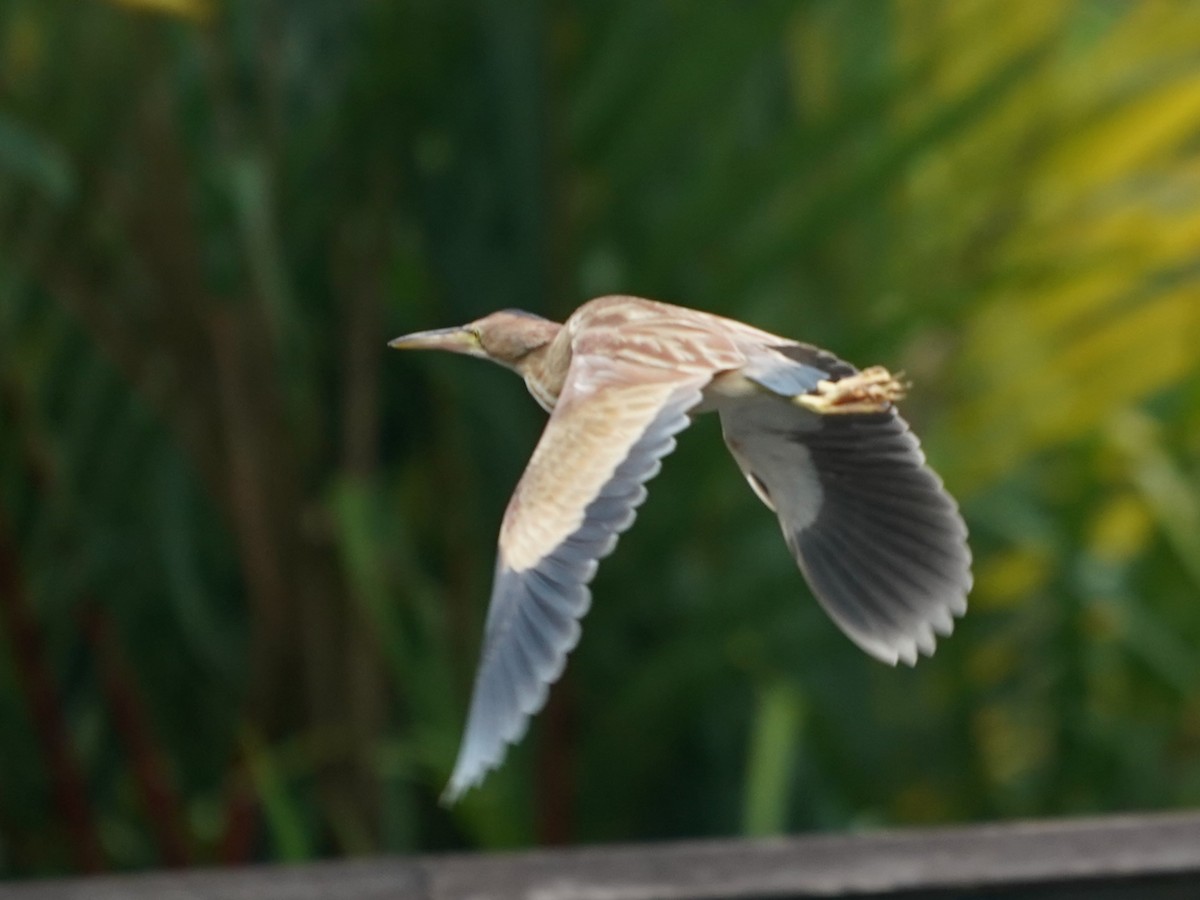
878, 538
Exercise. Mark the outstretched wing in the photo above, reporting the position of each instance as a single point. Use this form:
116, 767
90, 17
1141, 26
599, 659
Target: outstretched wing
877, 536
612, 425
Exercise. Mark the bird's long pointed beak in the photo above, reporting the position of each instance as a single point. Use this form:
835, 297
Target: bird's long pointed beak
456, 340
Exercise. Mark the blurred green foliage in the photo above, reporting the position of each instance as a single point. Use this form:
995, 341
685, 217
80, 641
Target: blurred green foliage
244, 553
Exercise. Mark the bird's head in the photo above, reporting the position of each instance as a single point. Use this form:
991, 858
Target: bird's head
507, 337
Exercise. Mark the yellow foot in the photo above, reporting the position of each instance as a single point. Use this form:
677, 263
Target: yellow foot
872, 390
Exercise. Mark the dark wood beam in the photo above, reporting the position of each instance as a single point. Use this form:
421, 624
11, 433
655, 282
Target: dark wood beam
1136, 856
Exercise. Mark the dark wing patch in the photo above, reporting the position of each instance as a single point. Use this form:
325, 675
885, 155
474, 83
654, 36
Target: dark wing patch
809, 355
533, 619
805, 367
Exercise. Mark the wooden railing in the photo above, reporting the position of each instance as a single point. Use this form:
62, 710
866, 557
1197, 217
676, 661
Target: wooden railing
1148, 857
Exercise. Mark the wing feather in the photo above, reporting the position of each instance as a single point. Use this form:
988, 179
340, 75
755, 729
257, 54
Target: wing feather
581, 489
877, 536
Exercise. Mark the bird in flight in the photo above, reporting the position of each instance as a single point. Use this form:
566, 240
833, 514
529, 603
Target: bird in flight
878, 538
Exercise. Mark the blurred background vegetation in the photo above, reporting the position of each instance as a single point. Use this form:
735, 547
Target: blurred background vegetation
245, 552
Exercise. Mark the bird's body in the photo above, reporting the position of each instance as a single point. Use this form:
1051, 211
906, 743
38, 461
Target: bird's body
878, 538
631, 330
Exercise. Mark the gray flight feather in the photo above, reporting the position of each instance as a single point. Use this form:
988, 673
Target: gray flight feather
887, 552
879, 539
533, 619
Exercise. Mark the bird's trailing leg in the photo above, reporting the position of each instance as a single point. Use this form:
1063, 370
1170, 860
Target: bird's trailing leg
869, 391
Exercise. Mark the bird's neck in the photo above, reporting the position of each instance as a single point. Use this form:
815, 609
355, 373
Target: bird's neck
545, 370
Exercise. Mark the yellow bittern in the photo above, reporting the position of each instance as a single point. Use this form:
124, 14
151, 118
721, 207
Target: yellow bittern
879, 539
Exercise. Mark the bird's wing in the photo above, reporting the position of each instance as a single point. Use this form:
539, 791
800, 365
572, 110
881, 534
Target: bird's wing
613, 423
879, 539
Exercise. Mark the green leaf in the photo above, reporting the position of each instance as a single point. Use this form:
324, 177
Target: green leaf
775, 740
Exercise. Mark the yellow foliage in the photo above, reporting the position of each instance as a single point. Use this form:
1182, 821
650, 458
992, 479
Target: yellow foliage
1050, 391
1010, 746
194, 10
995, 32
1076, 193
21, 50
1168, 492
1007, 579
993, 661
812, 64
1145, 130
1120, 529
1156, 32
